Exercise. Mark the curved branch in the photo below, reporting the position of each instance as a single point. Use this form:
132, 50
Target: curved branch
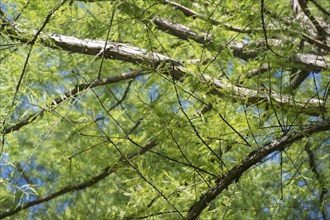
132, 54
320, 8
314, 167
190, 13
183, 32
71, 93
137, 55
252, 159
105, 173
320, 30
113, 50
317, 43
289, 23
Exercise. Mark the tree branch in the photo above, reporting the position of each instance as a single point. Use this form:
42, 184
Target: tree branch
191, 13
238, 48
105, 173
256, 72
132, 54
296, 79
320, 8
314, 168
137, 55
69, 94
320, 30
194, 14
252, 159
251, 96
289, 23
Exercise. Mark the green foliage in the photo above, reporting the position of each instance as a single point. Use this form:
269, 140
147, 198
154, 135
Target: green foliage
114, 132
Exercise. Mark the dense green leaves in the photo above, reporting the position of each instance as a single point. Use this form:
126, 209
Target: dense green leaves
164, 110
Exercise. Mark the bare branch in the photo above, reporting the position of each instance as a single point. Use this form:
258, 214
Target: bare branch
181, 31
296, 79
237, 93
312, 61
255, 72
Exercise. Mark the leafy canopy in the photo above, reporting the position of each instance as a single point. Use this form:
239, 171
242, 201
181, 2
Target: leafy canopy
164, 109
